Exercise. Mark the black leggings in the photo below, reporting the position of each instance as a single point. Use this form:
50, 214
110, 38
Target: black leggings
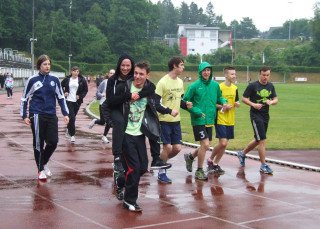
102, 121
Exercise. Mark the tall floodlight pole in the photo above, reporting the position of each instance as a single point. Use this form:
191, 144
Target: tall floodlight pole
290, 22
32, 40
70, 54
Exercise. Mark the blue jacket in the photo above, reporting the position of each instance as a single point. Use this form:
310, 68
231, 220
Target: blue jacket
43, 91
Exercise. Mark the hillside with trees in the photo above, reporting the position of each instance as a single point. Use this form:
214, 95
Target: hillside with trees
97, 31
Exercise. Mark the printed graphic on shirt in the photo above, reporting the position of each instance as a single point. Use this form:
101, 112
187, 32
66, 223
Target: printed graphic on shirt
264, 94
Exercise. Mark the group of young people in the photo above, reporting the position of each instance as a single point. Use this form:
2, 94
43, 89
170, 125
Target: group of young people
137, 109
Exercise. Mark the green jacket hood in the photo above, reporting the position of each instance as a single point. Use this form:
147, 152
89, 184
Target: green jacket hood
201, 67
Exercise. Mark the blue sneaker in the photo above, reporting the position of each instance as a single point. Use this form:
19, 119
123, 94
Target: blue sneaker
242, 158
266, 169
164, 179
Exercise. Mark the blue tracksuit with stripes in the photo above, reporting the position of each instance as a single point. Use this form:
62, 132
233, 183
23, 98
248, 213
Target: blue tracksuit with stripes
40, 94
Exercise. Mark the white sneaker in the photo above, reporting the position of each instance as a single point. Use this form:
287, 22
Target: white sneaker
47, 170
42, 175
72, 139
91, 124
105, 139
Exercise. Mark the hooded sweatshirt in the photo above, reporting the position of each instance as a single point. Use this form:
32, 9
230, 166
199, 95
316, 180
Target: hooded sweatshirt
204, 95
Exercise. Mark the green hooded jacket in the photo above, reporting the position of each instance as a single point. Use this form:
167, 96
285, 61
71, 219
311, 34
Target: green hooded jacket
204, 95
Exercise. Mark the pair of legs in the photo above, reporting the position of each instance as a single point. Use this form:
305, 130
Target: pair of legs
102, 121
73, 111
9, 91
44, 130
204, 135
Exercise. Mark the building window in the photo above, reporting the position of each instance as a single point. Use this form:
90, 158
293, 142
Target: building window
191, 33
213, 34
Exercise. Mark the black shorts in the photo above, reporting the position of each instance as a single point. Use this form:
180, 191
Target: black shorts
202, 132
259, 125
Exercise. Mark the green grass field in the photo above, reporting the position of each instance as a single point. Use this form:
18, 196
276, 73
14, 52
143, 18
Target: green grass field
294, 121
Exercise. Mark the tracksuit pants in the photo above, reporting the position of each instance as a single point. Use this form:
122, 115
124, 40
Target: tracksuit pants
73, 111
136, 164
45, 131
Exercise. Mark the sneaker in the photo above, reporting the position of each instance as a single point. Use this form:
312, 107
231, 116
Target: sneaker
242, 158
200, 175
164, 179
105, 139
266, 169
189, 161
42, 175
117, 166
72, 139
47, 170
214, 168
132, 207
159, 164
91, 124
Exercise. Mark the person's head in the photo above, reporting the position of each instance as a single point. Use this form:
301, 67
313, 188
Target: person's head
44, 64
125, 66
75, 71
205, 71
264, 76
230, 74
141, 73
176, 63
111, 73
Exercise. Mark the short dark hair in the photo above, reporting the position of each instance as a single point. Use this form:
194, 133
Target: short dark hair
228, 68
42, 59
264, 69
75, 68
144, 65
174, 61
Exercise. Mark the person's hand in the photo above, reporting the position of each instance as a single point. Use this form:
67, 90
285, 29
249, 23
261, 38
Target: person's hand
174, 113
237, 104
27, 121
269, 102
78, 97
257, 106
134, 96
66, 120
66, 94
189, 105
228, 107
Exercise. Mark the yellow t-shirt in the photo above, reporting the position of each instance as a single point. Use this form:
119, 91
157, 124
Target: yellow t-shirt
228, 117
170, 91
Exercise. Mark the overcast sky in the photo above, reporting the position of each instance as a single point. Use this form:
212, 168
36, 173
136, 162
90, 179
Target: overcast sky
264, 13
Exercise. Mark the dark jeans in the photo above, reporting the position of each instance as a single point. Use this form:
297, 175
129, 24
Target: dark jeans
154, 149
44, 130
136, 164
73, 111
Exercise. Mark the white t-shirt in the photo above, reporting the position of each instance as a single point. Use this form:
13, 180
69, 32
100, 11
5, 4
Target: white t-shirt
73, 87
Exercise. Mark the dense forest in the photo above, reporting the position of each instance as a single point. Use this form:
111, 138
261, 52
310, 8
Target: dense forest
97, 31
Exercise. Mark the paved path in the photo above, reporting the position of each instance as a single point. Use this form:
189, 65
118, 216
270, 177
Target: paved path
80, 193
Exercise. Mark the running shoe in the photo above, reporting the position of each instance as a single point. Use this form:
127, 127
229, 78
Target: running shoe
42, 175
47, 170
105, 139
216, 169
132, 207
73, 139
189, 161
266, 169
159, 164
162, 178
200, 175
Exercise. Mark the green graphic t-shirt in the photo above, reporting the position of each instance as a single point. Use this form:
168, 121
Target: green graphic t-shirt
136, 114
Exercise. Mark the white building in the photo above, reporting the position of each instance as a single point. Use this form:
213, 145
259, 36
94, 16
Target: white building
199, 39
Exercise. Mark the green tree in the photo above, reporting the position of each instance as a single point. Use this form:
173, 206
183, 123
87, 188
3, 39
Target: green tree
184, 14
211, 15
